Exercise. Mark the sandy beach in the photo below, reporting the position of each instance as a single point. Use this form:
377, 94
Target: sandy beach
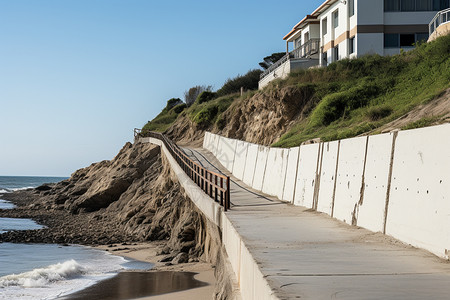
147, 252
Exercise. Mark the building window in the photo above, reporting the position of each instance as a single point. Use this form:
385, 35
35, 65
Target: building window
351, 45
391, 40
407, 40
336, 53
422, 37
408, 5
336, 18
424, 5
324, 26
395, 40
415, 5
391, 5
351, 7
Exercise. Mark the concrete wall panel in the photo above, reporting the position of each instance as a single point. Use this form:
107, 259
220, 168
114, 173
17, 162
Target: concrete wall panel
291, 172
240, 159
226, 152
349, 178
306, 177
260, 168
419, 204
250, 164
283, 175
274, 175
371, 210
327, 177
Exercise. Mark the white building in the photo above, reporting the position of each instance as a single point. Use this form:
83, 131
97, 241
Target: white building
340, 29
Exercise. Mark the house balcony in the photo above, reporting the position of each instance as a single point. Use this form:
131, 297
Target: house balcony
303, 57
440, 25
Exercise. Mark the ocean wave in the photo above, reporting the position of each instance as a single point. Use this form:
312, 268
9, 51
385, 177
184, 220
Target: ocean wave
43, 276
5, 190
22, 188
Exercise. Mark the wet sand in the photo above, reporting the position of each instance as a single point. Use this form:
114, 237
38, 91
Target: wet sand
131, 285
184, 281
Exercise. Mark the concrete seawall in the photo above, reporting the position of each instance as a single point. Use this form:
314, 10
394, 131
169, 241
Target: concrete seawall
245, 272
396, 183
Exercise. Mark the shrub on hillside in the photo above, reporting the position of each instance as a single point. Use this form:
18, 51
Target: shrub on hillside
173, 102
206, 96
248, 81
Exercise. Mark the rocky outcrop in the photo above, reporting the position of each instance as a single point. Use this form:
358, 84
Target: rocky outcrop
266, 116
133, 198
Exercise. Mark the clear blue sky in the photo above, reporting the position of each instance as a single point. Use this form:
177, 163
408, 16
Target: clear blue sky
76, 76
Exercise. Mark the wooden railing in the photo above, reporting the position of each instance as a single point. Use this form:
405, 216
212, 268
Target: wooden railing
215, 185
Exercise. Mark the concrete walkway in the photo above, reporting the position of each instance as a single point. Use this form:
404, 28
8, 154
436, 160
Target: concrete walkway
308, 255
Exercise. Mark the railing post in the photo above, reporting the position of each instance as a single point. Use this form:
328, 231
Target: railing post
221, 191
227, 204
215, 195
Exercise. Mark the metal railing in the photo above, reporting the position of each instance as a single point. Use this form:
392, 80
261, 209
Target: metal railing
274, 66
441, 17
309, 48
215, 185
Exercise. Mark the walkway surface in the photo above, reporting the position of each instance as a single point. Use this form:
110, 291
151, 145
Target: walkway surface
308, 255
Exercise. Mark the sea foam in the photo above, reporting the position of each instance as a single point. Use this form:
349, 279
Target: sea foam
43, 276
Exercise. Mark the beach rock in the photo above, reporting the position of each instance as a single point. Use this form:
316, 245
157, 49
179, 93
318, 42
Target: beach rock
180, 258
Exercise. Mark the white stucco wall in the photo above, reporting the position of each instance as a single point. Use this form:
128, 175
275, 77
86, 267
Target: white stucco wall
371, 211
408, 18
260, 168
370, 43
370, 12
349, 177
419, 204
307, 166
240, 159
327, 177
291, 172
281, 72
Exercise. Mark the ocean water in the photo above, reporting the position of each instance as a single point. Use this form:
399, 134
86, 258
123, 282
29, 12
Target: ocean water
49, 271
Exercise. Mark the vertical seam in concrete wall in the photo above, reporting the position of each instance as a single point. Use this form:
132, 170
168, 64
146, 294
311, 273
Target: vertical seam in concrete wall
265, 167
254, 169
388, 190
217, 146
285, 174
234, 156
296, 173
335, 178
318, 174
245, 161
363, 185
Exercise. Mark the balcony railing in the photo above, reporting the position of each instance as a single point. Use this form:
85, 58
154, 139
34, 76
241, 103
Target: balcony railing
309, 48
441, 17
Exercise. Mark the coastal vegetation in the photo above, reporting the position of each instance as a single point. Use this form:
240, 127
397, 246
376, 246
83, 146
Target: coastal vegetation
348, 98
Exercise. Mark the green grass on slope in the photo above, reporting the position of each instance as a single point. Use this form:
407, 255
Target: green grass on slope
204, 114
165, 118
359, 95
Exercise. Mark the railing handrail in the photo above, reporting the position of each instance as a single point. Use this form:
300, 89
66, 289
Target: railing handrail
274, 66
215, 185
293, 54
433, 25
